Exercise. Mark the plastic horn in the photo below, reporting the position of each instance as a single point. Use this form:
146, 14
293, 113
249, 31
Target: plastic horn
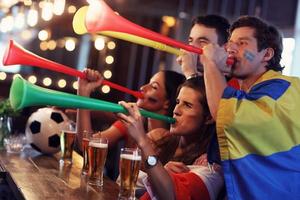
79, 28
15, 54
100, 17
24, 94
142, 41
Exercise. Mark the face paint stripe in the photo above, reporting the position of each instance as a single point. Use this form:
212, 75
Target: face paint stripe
248, 55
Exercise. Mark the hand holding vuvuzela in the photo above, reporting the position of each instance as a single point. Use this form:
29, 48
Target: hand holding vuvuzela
216, 54
133, 121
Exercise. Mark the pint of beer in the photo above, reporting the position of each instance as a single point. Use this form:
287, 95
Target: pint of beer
85, 144
130, 161
97, 152
67, 141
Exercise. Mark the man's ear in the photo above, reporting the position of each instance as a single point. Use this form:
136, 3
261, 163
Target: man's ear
269, 53
209, 120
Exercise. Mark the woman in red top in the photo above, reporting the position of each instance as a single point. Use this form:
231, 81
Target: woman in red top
159, 97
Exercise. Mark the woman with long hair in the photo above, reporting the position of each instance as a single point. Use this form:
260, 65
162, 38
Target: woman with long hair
159, 97
194, 129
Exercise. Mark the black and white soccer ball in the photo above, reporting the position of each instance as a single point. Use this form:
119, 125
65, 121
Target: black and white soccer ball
43, 129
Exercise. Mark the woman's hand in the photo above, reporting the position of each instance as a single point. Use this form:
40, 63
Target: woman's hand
90, 83
134, 122
176, 167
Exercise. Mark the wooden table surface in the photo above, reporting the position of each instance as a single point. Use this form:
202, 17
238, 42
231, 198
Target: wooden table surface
41, 177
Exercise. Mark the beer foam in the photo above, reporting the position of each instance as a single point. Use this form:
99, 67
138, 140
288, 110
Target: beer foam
131, 157
98, 145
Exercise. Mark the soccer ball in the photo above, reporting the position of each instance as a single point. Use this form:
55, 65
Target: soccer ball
43, 129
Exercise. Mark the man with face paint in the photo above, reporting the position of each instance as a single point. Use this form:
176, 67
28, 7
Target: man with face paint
258, 126
208, 29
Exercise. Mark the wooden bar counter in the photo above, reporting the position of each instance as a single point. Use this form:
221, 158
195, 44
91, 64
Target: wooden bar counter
34, 176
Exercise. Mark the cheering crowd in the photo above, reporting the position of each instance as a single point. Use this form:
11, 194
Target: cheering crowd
236, 135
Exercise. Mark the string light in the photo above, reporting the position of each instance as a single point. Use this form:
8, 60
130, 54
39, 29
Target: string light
47, 10
169, 21
3, 76
60, 43
41, 4
32, 79
26, 34
47, 81
44, 46
75, 85
32, 16
107, 74
20, 20
70, 44
58, 7
51, 45
105, 89
62, 83
27, 2
15, 76
111, 45
72, 9
99, 43
7, 24
109, 59
43, 35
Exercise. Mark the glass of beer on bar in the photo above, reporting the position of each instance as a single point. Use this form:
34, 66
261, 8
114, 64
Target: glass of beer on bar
97, 152
86, 136
130, 160
67, 141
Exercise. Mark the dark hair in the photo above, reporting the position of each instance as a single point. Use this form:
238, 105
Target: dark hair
266, 36
172, 81
200, 145
217, 22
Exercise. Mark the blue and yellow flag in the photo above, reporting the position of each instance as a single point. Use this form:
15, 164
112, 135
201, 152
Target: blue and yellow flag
259, 138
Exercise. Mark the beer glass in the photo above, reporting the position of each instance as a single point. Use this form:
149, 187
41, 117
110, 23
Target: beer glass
130, 161
86, 136
97, 152
67, 141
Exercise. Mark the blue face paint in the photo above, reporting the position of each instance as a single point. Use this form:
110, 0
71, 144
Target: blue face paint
249, 56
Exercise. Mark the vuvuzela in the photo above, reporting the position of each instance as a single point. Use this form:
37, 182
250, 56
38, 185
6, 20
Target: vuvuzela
23, 94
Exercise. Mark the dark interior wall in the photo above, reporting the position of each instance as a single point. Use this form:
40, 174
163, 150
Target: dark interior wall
4, 89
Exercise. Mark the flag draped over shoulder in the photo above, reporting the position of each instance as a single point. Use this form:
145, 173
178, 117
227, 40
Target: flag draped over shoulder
259, 137
188, 186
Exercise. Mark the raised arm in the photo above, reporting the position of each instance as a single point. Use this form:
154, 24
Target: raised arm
214, 64
85, 88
